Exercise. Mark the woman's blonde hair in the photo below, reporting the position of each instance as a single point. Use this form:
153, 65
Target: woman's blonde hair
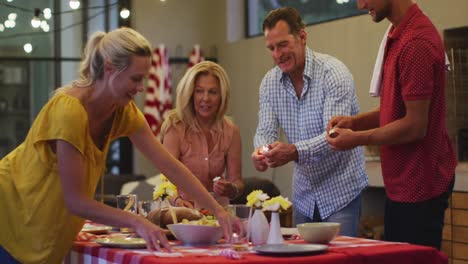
185, 109
115, 47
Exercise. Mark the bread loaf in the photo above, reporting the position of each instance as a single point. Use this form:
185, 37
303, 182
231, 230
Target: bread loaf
162, 217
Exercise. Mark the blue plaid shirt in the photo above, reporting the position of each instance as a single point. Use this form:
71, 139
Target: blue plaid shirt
331, 179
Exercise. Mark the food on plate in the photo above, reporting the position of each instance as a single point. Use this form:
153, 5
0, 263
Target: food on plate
206, 221
95, 229
162, 217
205, 212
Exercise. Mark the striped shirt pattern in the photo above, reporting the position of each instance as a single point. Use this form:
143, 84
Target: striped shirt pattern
331, 179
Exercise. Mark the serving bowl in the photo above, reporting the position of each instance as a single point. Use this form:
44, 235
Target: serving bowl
196, 234
319, 232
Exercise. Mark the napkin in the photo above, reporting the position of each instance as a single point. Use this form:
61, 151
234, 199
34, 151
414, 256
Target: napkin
230, 253
168, 254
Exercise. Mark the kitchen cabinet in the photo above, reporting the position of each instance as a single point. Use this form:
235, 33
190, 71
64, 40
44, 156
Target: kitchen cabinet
455, 235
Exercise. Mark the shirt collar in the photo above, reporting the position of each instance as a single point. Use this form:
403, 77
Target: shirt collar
395, 33
214, 130
308, 67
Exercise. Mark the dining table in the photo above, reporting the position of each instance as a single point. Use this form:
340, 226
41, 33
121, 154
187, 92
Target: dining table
341, 250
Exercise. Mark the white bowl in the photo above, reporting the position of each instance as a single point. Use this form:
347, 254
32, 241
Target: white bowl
318, 233
196, 234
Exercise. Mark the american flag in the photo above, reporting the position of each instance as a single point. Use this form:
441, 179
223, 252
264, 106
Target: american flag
158, 93
196, 56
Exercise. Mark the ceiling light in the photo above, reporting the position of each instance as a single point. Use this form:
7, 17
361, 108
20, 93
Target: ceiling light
10, 24
35, 21
12, 16
74, 4
124, 13
47, 13
28, 48
45, 26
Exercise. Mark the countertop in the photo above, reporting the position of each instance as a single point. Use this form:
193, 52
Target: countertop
374, 172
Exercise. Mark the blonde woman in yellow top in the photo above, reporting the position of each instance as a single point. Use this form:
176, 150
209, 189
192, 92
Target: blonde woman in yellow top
47, 183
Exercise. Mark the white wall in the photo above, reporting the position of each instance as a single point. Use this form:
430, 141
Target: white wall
353, 40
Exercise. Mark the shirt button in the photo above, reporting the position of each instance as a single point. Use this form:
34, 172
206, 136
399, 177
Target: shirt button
206, 158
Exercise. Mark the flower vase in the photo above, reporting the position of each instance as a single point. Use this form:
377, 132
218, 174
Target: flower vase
258, 228
275, 236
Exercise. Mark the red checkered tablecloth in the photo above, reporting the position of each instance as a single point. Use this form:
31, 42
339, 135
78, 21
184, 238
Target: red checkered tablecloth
341, 250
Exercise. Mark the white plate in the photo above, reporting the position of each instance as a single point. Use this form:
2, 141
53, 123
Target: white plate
290, 249
122, 242
96, 229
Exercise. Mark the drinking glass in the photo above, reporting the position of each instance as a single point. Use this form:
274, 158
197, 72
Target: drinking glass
144, 207
129, 203
239, 240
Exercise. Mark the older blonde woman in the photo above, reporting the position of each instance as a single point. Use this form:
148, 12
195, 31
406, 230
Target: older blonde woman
201, 136
47, 183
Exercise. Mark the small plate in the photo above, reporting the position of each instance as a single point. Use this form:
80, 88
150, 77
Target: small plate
289, 233
290, 249
122, 242
96, 229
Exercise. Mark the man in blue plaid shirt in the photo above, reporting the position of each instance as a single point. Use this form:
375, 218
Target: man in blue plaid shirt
300, 95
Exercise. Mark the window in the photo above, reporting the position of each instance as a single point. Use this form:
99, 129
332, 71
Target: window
28, 79
312, 11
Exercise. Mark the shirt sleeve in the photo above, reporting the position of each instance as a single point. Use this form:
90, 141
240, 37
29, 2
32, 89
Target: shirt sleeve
340, 99
62, 118
267, 129
418, 62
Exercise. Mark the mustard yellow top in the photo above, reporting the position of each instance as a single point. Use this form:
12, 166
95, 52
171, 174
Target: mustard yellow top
35, 225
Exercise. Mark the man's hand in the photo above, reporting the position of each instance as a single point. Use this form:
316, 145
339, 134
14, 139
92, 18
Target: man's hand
280, 153
344, 138
341, 122
259, 160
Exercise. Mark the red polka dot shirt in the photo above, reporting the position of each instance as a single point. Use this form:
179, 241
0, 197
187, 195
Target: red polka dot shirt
414, 69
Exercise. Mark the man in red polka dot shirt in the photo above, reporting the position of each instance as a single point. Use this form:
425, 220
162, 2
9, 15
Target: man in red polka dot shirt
418, 159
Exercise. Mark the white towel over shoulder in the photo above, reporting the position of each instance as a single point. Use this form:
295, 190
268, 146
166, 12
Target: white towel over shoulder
376, 82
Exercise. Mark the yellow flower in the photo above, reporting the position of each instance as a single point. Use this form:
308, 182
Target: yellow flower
164, 189
277, 203
256, 198
163, 178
